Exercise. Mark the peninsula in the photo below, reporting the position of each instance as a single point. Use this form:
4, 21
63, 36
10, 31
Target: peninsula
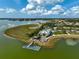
46, 34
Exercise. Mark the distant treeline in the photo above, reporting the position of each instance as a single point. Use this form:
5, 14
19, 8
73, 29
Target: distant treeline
30, 19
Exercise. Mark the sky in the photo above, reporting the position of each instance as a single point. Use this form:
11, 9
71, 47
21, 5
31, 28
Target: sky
39, 8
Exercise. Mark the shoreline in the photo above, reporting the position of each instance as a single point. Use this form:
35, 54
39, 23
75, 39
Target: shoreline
51, 40
43, 44
13, 38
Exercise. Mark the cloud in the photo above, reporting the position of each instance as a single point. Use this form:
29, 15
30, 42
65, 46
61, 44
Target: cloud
38, 7
32, 4
71, 42
45, 1
38, 10
55, 10
10, 10
7, 10
72, 11
23, 10
2, 9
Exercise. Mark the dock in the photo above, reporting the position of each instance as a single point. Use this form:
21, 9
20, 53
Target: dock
32, 47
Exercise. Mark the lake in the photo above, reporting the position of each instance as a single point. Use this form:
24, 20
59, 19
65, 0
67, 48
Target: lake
12, 49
